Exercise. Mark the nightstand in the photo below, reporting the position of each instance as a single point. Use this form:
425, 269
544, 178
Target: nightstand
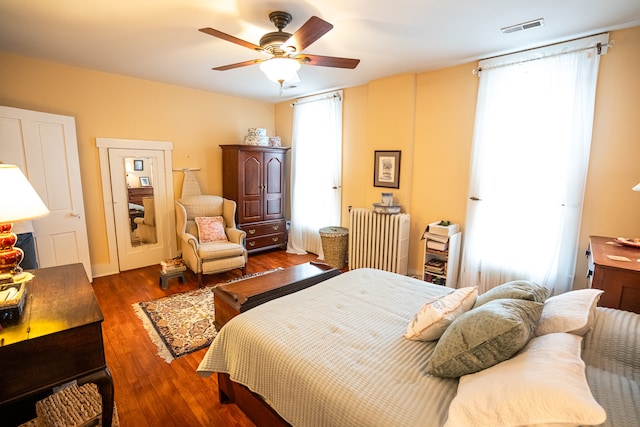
620, 280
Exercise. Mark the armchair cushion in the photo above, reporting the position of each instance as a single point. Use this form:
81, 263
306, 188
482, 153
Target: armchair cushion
211, 229
213, 250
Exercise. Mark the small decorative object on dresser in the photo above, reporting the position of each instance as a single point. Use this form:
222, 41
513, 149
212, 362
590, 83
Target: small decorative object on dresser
275, 141
256, 136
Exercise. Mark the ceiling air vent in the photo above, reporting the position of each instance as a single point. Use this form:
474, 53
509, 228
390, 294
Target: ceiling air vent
524, 26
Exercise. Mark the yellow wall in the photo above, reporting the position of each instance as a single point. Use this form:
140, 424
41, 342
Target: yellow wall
112, 106
435, 137
445, 112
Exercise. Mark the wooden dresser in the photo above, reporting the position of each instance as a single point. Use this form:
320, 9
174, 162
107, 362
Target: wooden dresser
136, 194
255, 177
620, 280
57, 339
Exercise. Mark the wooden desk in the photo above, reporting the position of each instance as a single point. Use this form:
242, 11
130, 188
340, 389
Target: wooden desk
620, 280
57, 339
237, 297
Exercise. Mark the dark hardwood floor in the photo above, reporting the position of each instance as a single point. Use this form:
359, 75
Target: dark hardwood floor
149, 391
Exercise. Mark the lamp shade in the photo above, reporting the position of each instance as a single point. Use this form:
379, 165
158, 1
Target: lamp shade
280, 69
636, 188
20, 200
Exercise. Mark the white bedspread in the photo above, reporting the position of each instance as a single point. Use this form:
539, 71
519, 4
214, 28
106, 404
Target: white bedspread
334, 354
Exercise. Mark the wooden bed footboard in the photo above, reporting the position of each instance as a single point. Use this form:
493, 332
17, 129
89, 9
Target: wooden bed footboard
250, 403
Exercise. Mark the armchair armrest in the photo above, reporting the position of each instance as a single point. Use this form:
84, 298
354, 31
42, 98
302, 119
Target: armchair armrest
235, 235
190, 241
189, 245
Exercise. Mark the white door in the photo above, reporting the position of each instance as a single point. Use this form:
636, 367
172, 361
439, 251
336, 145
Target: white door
45, 148
139, 245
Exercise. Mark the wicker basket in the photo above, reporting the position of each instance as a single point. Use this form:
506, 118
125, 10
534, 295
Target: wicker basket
334, 245
73, 406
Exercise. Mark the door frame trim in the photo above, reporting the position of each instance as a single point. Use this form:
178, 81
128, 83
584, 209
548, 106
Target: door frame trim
104, 144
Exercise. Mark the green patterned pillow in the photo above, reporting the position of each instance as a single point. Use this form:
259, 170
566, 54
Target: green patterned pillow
517, 289
484, 336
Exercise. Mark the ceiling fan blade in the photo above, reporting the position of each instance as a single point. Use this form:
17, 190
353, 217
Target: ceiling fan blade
328, 61
230, 38
238, 65
310, 31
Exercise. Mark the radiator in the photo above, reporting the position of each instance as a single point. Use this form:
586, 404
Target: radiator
378, 241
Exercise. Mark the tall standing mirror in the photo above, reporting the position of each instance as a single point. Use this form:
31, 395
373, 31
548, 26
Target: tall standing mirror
139, 179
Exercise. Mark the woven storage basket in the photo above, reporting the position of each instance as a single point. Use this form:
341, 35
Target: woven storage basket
334, 245
73, 407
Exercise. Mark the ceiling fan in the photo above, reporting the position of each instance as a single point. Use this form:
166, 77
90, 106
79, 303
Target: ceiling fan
285, 48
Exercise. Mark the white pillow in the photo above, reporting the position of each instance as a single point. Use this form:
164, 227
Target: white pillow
437, 314
543, 384
572, 312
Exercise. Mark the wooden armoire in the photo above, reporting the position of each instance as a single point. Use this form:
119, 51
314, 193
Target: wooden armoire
255, 177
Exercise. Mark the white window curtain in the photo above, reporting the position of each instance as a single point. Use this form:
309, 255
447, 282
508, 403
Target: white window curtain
315, 171
531, 145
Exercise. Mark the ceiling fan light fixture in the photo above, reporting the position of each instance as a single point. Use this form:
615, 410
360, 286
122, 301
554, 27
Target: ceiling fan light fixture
280, 69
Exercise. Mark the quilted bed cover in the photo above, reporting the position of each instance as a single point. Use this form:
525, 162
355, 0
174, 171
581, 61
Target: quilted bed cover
334, 354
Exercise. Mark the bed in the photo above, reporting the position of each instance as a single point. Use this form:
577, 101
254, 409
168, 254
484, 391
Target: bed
336, 354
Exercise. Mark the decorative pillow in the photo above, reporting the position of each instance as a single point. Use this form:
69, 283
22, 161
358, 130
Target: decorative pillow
210, 229
484, 336
544, 384
572, 312
517, 289
437, 314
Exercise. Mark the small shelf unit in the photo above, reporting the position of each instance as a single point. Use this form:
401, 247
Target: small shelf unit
450, 258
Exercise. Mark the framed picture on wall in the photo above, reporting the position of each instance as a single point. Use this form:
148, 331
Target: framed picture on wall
138, 165
386, 169
144, 181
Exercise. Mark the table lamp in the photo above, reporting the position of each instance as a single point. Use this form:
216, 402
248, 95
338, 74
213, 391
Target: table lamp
23, 204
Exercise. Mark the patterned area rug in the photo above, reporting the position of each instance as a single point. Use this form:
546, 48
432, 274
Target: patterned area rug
182, 323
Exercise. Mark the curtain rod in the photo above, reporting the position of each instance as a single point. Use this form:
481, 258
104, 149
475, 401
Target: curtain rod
598, 47
316, 98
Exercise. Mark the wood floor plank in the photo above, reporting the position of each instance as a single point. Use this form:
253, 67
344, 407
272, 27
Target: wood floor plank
149, 391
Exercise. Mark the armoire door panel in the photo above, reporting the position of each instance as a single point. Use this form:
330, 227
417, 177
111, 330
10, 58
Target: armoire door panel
274, 175
274, 208
252, 168
252, 210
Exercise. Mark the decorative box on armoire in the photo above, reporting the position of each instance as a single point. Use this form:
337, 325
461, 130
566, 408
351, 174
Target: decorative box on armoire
255, 177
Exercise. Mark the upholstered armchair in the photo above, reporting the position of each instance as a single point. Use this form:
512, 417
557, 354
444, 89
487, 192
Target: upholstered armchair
146, 226
207, 246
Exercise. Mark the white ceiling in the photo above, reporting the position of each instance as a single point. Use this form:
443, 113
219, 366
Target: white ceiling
159, 39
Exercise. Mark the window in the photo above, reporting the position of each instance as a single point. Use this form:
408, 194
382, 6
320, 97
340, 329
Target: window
316, 170
531, 146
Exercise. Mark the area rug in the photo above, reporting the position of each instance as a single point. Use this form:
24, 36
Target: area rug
182, 323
